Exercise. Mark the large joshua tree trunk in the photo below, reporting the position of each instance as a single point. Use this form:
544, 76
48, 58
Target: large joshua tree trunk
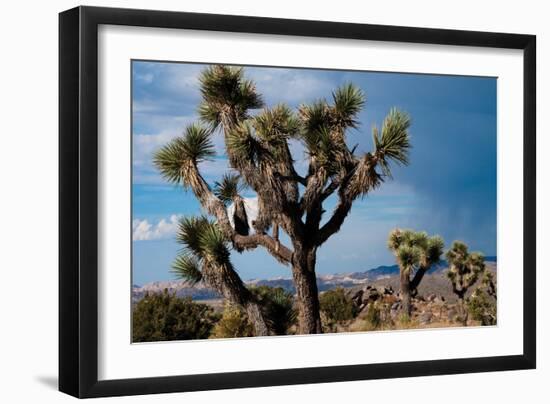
305, 281
256, 317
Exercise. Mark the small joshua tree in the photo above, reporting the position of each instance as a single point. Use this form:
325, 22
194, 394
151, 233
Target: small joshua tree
257, 147
465, 269
415, 253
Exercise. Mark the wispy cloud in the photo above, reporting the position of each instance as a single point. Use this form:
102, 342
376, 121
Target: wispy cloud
169, 77
146, 78
143, 230
289, 85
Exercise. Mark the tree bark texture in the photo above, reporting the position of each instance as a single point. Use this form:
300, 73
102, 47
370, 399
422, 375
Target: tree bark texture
405, 293
305, 281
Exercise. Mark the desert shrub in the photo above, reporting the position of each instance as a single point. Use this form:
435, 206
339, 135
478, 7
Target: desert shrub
482, 307
404, 320
337, 305
372, 318
165, 317
233, 323
278, 307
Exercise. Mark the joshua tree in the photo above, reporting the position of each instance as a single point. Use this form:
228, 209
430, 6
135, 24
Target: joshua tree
259, 154
415, 253
464, 271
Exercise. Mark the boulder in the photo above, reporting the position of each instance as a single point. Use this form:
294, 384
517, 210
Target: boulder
372, 295
431, 297
357, 297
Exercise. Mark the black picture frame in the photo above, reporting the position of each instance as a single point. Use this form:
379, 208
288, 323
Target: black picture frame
78, 201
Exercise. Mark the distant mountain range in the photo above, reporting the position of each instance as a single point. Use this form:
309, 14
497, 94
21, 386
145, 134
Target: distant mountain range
391, 270
324, 282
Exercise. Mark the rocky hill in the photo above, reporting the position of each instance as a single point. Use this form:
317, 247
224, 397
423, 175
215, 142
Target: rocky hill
435, 282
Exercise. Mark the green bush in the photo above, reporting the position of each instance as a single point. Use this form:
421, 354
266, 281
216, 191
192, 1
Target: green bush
373, 319
278, 307
233, 323
482, 307
337, 305
165, 317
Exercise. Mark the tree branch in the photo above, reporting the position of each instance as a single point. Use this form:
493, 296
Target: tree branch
314, 189
329, 190
421, 271
280, 252
341, 211
208, 200
335, 222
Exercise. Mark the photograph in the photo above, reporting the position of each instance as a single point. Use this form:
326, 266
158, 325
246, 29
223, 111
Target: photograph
270, 201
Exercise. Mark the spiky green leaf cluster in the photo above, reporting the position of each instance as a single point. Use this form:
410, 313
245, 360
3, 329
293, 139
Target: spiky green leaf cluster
202, 237
457, 254
276, 125
228, 188
323, 127
187, 266
415, 249
203, 243
313, 117
278, 307
243, 145
434, 249
322, 150
408, 256
225, 90
348, 102
393, 142
193, 147
365, 177
395, 239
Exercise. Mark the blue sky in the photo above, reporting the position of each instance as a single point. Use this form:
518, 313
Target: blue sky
449, 188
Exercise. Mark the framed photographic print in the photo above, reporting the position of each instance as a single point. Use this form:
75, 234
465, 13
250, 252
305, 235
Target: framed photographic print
251, 201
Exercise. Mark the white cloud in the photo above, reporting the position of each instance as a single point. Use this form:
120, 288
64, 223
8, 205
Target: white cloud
145, 146
147, 78
213, 170
143, 230
182, 77
289, 85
